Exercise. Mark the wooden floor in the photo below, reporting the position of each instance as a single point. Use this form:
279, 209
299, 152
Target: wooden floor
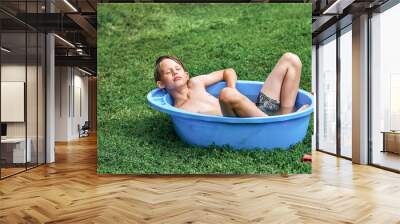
10, 171
70, 191
386, 159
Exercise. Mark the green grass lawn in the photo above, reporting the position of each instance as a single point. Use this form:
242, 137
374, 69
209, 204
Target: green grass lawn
135, 139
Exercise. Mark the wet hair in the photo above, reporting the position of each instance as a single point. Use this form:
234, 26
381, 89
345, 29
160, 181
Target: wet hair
157, 69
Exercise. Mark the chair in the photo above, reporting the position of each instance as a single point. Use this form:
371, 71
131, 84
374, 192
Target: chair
84, 130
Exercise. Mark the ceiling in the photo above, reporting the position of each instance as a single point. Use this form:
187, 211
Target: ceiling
328, 16
74, 22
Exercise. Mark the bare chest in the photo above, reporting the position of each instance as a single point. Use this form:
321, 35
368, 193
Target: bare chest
200, 101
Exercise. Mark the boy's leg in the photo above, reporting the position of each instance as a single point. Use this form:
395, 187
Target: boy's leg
226, 108
282, 84
233, 103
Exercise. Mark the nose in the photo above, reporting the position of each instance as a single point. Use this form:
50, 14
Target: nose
174, 71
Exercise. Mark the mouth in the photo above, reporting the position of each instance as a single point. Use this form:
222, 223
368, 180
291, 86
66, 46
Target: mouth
177, 78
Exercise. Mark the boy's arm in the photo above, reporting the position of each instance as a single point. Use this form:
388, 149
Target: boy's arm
228, 75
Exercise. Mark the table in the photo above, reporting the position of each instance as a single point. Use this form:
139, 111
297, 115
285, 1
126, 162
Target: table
16, 147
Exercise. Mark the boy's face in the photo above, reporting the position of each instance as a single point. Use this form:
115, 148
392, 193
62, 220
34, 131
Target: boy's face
172, 75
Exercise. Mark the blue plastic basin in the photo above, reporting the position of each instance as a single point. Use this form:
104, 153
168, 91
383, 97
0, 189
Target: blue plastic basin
265, 133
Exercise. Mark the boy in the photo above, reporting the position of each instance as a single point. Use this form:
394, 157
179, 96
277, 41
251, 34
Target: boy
277, 95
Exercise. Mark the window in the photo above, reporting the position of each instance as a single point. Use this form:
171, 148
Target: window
327, 95
22, 86
385, 88
346, 95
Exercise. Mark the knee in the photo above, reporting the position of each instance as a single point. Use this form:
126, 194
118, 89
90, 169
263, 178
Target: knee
292, 59
228, 95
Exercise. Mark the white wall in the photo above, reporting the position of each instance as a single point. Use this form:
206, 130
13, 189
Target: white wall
70, 83
62, 82
80, 83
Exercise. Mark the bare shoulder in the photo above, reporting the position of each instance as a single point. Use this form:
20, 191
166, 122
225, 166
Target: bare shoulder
195, 82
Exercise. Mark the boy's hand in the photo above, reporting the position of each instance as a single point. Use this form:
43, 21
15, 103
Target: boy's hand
230, 77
